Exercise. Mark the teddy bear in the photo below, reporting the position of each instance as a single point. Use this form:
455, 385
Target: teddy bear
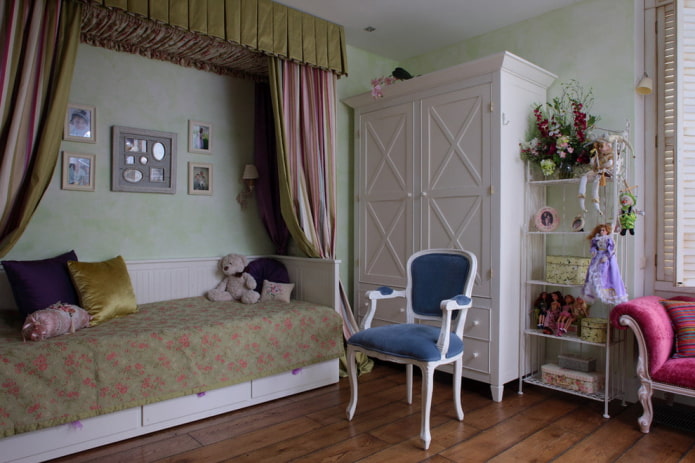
236, 285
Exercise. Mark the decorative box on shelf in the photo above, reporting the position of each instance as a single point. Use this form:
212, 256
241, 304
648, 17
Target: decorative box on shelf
576, 362
566, 270
580, 381
594, 329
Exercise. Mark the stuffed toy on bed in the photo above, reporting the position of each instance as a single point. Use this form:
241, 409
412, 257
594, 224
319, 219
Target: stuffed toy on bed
56, 320
236, 285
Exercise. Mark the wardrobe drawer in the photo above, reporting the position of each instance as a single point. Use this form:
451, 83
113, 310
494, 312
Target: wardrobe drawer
477, 324
476, 355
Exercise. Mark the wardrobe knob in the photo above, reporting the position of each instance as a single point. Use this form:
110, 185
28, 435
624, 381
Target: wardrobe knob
476, 355
476, 322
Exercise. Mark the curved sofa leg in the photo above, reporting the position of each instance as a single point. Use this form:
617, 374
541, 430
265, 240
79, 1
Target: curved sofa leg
645, 397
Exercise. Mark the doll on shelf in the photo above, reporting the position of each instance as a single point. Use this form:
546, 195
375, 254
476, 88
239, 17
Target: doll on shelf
565, 318
603, 280
540, 308
580, 309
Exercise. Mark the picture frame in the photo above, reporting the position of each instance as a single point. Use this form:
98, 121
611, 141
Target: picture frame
200, 178
199, 137
546, 219
578, 224
80, 123
143, 161
78, 171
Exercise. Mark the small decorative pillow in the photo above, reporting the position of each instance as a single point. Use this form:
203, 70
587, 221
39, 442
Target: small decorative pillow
276, 291
682, 314
104, 288
36, 284
267, 268
56, 320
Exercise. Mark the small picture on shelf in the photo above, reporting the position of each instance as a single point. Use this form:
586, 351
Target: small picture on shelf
578, 224
546, 219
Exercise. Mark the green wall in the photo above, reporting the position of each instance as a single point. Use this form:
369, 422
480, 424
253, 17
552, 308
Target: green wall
133, 91
591, 41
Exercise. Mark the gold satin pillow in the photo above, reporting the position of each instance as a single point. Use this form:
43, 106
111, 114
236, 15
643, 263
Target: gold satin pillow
104, 288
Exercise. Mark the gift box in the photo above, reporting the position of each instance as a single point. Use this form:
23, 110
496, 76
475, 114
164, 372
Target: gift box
576, 362
566, 270
580, 381
594, 329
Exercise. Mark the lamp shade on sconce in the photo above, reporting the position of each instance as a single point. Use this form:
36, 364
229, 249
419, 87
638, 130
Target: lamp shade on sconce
645, 86
250, 172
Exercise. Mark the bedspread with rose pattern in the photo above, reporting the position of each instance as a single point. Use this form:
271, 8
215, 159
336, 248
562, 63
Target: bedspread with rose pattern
165, 350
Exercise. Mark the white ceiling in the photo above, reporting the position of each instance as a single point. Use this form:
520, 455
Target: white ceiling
408, 28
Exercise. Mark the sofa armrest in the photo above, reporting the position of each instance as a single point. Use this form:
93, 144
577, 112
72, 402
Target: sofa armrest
654, 325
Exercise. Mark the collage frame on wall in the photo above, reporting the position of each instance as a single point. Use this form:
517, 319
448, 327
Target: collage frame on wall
143, 161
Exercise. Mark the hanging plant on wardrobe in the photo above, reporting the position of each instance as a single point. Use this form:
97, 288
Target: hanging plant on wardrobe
560, 135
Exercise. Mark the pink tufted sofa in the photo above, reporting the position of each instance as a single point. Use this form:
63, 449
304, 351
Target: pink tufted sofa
655, 337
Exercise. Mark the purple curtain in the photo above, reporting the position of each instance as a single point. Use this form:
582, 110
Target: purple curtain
265, 158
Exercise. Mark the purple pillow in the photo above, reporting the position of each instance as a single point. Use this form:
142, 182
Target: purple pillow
269, 269
37, 284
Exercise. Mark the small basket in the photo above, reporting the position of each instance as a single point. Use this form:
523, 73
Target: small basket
594, 329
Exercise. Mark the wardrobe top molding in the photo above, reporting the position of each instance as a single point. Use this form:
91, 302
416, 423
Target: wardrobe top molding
503, 61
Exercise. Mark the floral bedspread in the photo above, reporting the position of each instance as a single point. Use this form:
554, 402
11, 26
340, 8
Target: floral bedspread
167, 349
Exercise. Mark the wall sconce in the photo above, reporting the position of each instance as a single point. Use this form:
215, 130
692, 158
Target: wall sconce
645, 85
249, 177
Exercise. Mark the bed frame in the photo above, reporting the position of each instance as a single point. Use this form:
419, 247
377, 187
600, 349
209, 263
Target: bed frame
316, 280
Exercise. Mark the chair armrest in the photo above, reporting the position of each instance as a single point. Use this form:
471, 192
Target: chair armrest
460, 302
383, 292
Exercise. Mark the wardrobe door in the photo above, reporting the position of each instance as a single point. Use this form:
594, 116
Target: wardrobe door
455, 175
385, 195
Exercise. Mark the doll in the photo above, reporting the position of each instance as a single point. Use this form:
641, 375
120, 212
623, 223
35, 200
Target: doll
550, 322
603, 280
540, 308
580, 309
565, 318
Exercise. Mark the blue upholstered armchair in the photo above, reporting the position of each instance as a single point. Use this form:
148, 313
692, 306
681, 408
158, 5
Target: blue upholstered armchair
439, 288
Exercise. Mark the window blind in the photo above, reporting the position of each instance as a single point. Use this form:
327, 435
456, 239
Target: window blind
685, 142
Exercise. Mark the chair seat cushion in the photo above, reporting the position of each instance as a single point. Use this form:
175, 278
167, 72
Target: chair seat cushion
677, 371
408, 340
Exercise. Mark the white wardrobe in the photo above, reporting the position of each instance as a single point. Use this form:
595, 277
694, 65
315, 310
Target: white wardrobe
438, 166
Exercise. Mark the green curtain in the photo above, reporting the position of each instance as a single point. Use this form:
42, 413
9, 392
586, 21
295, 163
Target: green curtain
262, 25
305, 123
40, 54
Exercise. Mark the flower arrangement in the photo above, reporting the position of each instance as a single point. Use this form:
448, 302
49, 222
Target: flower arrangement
560, 135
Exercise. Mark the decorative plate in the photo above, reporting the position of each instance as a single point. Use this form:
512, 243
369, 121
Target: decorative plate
546, 219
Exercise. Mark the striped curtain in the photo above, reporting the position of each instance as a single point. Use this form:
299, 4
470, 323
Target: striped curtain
37, 57
304, 100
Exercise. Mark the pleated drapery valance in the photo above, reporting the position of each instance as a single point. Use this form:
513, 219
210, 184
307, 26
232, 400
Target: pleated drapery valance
224, 36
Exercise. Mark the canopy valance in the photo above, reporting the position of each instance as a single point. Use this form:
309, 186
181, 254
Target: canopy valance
224, 36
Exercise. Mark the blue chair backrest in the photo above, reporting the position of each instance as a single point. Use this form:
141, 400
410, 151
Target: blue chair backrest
435, 277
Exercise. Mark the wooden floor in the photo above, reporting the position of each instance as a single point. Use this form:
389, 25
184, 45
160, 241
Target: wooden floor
540, 425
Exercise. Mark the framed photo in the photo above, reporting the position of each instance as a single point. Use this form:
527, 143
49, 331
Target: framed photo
546, 219
578, 224
143, 161
199, 178
78, 171
80, 124
199, 137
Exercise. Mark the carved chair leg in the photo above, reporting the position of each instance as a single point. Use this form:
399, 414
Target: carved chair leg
458, 367
427, 386
645, 397
352, 374
409, 382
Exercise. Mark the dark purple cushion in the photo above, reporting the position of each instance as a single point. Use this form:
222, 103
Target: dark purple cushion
37, 284
269, 269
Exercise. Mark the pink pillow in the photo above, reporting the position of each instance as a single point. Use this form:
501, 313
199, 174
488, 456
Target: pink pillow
57, 319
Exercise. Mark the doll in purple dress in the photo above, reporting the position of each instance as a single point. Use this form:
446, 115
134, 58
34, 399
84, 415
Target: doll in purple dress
603, 280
